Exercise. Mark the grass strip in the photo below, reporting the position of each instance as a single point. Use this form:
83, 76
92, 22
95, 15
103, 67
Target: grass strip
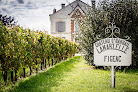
76, 76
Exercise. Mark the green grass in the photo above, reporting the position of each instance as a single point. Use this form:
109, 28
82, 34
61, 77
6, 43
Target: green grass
20, 73
76, 76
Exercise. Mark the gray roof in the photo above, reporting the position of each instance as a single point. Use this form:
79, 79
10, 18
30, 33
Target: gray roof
71, 7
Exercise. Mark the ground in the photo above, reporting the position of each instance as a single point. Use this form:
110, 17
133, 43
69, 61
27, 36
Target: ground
75, 75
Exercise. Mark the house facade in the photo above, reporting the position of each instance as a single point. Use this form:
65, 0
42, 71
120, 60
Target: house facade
63, 21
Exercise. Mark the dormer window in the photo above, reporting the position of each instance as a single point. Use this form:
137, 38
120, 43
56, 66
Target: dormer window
60, 26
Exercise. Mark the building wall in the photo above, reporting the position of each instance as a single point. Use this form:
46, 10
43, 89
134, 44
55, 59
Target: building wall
65, 15
67, 33
61, 17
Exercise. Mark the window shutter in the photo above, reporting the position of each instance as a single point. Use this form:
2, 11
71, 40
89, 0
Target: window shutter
63, 26
56, 26
60, 26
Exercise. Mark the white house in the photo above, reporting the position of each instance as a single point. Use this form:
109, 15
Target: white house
63, 21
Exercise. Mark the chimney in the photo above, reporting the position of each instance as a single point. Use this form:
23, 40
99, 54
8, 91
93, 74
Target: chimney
93, 4
54, 11
62, 6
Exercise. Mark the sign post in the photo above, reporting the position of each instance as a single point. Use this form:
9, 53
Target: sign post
112, 77
112, 51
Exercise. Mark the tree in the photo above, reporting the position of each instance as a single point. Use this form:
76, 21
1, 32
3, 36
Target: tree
125, 15
7, 21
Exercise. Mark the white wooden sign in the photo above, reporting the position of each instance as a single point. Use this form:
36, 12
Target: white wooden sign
112, 52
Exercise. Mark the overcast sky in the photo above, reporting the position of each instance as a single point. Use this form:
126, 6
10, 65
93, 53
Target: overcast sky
33, 14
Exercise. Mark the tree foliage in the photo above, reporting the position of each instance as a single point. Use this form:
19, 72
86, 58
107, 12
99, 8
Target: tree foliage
123, 13
7, 21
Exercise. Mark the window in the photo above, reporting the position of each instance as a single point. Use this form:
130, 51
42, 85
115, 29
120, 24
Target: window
76, 27
60, 26
76, 31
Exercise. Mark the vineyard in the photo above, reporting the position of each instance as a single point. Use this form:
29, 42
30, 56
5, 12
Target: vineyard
25, 49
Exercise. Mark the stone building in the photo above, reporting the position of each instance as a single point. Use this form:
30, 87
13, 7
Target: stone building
63, 21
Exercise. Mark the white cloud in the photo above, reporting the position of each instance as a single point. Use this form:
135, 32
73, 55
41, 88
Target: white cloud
32, 13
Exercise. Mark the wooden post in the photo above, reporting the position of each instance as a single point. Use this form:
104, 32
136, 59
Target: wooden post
24, 72
112, 77
12, 75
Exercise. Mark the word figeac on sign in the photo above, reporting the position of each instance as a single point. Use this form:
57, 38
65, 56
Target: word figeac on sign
112, 52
